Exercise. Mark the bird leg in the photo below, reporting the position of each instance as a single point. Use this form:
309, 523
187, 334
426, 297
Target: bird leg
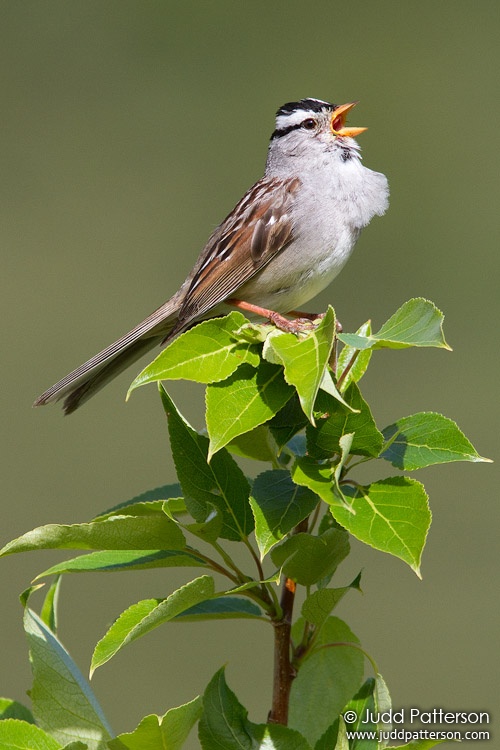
302, 321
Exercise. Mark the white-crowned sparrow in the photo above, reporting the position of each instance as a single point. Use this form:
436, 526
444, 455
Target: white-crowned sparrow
282, 244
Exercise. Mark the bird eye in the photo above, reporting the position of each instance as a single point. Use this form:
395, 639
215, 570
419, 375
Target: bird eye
309, 124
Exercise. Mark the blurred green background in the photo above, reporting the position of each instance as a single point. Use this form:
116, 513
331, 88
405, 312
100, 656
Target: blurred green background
129, 130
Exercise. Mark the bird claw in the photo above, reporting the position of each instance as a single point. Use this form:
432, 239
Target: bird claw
298, 325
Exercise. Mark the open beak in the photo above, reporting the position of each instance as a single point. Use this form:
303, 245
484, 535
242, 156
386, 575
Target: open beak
338, 121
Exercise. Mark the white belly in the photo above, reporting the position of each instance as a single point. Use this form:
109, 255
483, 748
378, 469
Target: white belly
303, 272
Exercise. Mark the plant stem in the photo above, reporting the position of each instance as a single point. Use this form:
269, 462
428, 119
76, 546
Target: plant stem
283, 670
347, 369
255, 558
214, 565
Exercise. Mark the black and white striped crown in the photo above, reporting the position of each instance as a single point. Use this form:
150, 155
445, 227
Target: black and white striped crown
291, 115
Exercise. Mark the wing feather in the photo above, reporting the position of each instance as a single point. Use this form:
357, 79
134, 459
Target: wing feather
252, 235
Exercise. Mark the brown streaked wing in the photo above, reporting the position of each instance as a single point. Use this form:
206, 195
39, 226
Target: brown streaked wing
259, 227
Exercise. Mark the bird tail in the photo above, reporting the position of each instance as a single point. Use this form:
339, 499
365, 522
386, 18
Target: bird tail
78, 386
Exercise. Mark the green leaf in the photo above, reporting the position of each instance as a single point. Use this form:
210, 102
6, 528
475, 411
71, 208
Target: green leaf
247, 399
258, 444
371, 710
20, 735
25, 595
225, 725
307, 472
278, 506
320, 478
206, 353
328, 386
417, 323
345, 445
168, 732
304, 358
391, 515
220, 482
111, 561
254, 333
371, 702
326, 680
148, 614
63, 703
144, 504
324, 478
297, 446
353, 363
383, 705
336, 421
306, 559
11, 709
382, 697
318, 606
221, 608
48, 613
115, 532
328, 740
224, 722
362, 706
210, 529
288, 421
342, 741
424, 439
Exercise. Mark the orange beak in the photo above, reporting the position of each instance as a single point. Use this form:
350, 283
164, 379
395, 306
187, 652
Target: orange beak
338, 122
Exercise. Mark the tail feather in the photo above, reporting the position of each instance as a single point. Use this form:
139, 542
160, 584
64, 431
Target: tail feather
81, 384
80, 391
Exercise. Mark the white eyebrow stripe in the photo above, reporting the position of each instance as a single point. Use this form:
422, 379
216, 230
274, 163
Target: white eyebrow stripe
295, 118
